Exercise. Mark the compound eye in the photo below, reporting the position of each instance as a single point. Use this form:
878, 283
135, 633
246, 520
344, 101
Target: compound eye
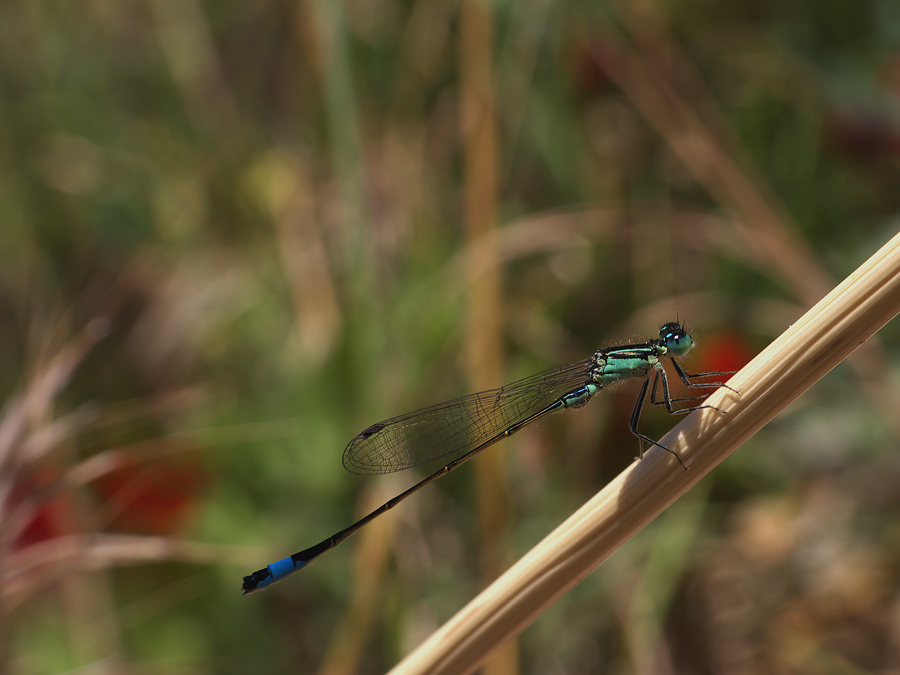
676, 339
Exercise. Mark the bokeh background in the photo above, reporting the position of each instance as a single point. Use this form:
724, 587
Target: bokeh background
234, 234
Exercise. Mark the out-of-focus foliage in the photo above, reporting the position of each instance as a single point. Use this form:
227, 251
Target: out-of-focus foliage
231, 237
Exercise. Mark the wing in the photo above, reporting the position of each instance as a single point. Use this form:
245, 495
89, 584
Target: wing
457, 426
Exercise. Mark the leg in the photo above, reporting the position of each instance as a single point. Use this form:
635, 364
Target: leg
671, 400
685, 378
636, 416
668, 400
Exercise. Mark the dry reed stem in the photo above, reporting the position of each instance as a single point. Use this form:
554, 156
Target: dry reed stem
821, 339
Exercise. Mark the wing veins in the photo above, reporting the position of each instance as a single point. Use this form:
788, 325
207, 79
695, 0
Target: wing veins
457, 425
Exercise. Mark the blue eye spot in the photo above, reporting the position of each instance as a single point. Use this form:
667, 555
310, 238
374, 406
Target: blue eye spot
676, 339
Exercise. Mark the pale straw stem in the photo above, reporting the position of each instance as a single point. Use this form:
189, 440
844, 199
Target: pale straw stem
822, 338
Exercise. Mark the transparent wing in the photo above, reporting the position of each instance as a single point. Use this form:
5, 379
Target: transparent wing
459, 425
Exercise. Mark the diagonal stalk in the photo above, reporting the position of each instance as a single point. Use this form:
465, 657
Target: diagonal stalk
816, 343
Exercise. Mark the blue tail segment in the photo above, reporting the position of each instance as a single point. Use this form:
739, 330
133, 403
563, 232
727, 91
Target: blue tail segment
274, 572
286, 567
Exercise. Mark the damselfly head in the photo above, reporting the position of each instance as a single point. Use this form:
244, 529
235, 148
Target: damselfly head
677, 340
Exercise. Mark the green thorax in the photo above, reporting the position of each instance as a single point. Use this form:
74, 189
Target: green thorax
615, 364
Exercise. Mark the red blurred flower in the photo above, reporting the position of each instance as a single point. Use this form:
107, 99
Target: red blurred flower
48, 515
151, 497
724, 351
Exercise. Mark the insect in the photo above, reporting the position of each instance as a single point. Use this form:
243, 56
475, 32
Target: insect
465, 426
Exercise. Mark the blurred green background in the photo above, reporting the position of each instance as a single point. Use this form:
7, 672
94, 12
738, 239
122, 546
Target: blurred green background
233, 234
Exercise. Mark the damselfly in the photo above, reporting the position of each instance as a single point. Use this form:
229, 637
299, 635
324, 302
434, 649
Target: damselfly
466, 426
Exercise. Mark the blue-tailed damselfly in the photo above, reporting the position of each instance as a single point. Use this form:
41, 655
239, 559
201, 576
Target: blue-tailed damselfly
465, 426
